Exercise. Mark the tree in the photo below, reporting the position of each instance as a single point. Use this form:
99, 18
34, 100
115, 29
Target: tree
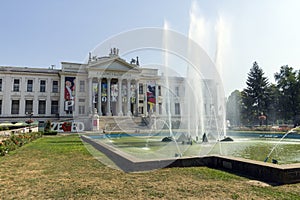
255, 99
233, 108
288, 83
273, 104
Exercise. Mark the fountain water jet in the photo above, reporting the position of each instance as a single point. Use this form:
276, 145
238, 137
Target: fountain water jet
275, 146
167, 85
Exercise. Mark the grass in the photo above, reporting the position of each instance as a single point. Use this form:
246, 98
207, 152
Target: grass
60, 167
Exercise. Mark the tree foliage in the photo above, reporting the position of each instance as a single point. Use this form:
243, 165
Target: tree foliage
233, 108
288, 84
255, 98
279, 102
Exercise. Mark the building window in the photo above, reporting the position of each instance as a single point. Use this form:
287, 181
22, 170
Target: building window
0, 106
15, 104
81, 86
177, 91
81, 110
42, 107
159, 90
28, 106
16, 85
177, 109
29, 85
42, 86
141, 110
160, 108
55, 86
141, 90
0, 84
54, 107
81, 100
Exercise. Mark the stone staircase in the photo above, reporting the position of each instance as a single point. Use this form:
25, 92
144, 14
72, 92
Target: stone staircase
122, 124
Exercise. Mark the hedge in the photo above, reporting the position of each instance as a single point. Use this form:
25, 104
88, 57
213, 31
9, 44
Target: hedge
16, 141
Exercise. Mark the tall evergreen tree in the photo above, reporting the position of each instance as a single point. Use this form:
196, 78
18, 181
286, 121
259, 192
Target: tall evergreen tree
255, 95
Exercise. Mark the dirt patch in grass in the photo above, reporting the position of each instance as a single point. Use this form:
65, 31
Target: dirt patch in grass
60, 167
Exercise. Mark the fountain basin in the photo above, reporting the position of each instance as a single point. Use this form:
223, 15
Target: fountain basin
277, 174
250, 146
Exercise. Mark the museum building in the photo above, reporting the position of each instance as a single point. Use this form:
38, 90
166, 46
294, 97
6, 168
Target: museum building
108, 86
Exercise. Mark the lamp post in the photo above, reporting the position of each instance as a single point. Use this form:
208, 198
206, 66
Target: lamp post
30, 120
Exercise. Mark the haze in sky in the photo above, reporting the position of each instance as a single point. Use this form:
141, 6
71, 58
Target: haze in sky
233, 33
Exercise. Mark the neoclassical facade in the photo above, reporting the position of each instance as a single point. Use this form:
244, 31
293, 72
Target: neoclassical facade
108, 85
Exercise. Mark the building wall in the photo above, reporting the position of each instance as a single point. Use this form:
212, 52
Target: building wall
85, 73
7, 94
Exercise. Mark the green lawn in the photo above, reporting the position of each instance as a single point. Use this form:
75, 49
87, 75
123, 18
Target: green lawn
60, 167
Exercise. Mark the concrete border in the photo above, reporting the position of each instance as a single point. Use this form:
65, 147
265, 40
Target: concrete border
268, 172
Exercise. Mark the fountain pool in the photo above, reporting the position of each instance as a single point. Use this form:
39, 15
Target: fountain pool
254, 146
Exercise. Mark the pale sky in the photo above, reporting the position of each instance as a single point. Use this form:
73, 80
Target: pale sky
42, 33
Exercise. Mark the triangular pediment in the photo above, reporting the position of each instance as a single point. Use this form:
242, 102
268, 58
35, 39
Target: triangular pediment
112, 64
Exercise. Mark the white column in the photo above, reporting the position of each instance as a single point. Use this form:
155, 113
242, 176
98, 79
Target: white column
36, 104
128, 97
164, 101
90, 97
99, 97
137, 97
120, 97
108, 97
145, 99
156, 99
22, 106
61, 98
22, 98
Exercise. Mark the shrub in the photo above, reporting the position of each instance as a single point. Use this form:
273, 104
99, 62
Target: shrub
2, 149
9, 145
48, 126
15, 141
50, 133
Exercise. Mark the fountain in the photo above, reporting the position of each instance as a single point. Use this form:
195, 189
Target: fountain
202, 110
202, 99
275, 146
199, 94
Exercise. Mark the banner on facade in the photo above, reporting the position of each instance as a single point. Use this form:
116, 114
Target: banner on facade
104, 92
151, 96
69, 94
114, 92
